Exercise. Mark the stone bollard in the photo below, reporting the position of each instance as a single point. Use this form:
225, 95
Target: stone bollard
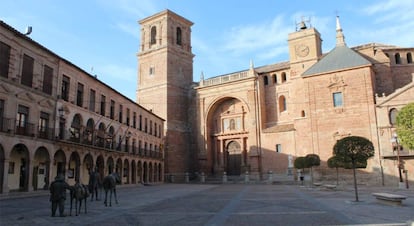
270, 176
187, 177
203, 178
224, 177
246, 177
172, 178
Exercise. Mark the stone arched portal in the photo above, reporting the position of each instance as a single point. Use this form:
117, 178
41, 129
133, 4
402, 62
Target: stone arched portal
226, 121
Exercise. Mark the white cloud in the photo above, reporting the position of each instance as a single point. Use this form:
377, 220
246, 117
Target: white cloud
243, 39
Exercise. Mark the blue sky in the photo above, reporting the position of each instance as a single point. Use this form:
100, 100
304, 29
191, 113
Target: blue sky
102, 36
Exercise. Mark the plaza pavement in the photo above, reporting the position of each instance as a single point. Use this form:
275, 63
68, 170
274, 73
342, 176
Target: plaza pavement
217, 204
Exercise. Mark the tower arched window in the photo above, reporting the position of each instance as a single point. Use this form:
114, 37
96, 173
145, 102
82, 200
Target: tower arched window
397, 58
282, 104
178, 31
153, 35
284, 77
265, 80
393, 116
274, 78
409, 58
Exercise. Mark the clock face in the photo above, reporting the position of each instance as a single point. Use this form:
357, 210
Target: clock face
302, 50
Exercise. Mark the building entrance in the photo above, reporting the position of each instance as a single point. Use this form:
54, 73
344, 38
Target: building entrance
234, 158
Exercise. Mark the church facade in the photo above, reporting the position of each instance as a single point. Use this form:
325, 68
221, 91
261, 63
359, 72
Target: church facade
257, 121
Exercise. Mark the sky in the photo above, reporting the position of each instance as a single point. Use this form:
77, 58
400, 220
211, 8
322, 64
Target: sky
102, 36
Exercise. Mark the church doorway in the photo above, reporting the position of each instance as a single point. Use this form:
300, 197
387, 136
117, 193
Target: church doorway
234, 158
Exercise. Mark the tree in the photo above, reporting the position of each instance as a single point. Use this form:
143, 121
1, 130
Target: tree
405, 126
334, 162
353, 151
311, 161
300, 163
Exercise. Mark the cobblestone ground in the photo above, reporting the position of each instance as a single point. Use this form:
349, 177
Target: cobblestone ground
233, 204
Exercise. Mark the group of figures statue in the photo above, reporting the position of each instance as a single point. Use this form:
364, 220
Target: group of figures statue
80, 192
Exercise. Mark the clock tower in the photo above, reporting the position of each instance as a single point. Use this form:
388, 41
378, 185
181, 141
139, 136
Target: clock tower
305, 49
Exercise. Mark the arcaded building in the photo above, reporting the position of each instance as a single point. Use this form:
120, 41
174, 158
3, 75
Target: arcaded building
55, 118
260, 119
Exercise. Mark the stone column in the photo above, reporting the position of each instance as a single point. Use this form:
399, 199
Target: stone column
5, 186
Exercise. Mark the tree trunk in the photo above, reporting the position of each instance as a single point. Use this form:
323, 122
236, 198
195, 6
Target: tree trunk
355, 181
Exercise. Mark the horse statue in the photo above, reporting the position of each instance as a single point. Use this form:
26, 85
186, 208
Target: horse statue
109, 184
79, 192
94, 184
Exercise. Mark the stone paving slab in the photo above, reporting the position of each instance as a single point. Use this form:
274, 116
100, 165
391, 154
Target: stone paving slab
235, 204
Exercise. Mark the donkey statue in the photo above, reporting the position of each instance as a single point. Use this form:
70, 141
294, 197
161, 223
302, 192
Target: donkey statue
109, 184
79, 192
94, 184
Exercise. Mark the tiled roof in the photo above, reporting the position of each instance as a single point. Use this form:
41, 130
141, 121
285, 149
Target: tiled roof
341, 57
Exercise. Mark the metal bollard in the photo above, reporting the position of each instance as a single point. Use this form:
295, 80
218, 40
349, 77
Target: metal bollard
224, 177
187, 177
246, 177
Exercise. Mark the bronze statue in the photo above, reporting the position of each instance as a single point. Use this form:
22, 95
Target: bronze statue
79, 193
94, 184
58, 194
109, 184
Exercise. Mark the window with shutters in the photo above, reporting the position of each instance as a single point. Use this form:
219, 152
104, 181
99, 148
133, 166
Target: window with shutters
65, 88
47, 79
27, 71
79, 95
92, 96
4, 60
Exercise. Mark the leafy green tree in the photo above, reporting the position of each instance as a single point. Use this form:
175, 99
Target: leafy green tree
300, 163
334, 162
353, 151
405, 126
311, 161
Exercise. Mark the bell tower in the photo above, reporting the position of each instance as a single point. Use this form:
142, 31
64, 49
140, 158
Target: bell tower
305, 48
165, 76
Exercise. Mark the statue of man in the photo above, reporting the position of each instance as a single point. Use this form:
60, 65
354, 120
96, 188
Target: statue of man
58, 194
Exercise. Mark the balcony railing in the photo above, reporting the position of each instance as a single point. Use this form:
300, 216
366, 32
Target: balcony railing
11, 126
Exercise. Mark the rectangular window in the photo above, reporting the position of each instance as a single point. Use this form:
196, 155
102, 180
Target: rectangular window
134, 120
65, 88
337, 99
92, 96
140, 122
120, 113
43, 122
47, 79
152, 71
2, 115
4, 60
79, 95
127, 116
27, 71
43, 125
112, 110
103, 105
22, 119
278, 148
